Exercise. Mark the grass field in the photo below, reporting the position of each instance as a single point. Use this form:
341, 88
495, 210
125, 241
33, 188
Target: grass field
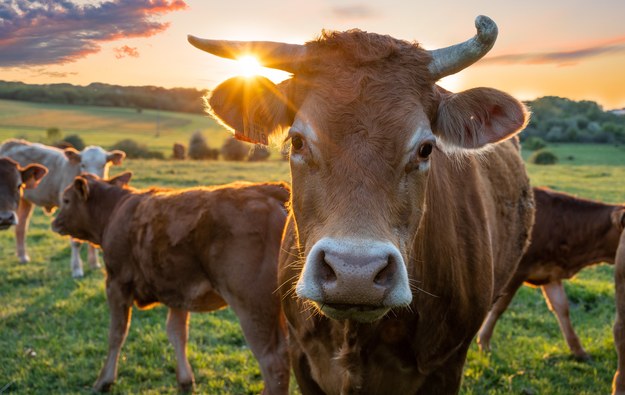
53, 329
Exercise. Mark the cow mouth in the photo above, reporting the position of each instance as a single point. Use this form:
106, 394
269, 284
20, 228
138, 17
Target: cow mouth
5, 225
356, 312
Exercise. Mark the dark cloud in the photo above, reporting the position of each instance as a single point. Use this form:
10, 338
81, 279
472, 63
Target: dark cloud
355, 11
562, 58
42, 32
124, 51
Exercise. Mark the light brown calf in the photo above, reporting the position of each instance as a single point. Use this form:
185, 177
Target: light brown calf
569, 234
13, 179
197, 249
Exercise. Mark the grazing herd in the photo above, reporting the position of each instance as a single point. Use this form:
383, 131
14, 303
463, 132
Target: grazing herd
407, 229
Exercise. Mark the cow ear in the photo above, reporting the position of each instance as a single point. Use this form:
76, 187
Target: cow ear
253, 108
72, 155
82, 187
32, 174
115, 157
120, 180
477, 117
618, 218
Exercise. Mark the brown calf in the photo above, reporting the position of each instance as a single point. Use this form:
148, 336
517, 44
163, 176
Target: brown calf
403, 230
197, 249
13, 179
569, 234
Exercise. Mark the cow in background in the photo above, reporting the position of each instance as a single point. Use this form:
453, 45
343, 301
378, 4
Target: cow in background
196, 249
13, 179
403, 230
618, 384
569, 234
63, 166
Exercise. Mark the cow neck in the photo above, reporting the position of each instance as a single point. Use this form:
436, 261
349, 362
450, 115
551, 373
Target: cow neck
104, 201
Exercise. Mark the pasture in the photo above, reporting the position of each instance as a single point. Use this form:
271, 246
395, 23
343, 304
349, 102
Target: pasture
53, 329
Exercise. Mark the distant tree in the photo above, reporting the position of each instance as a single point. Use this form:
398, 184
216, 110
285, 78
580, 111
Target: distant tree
134, 150
543, 157
234, 150
53, 134
258, 153
198, 148
534, 143
75, 141
179, 151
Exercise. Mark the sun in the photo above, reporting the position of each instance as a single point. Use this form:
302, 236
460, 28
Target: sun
248, 66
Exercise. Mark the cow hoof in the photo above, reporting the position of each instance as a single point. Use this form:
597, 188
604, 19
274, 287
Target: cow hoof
24, 259
185, 388
583, 357
95, 265
78, 274
102, 386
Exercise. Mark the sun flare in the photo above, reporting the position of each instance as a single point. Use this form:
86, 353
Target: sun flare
248, 66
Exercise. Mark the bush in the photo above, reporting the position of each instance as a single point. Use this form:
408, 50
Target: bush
179, 151
534, 143
53, 134
543, 157
198, 148
259, 153
135, 150
75, 141
234, 150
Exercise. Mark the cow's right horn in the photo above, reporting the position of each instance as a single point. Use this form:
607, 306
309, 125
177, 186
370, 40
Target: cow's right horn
270, 54
450, 60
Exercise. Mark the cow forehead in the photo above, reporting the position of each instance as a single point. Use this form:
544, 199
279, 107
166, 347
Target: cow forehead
93, 155
8, 171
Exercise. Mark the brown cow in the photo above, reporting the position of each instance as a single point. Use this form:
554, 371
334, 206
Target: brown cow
569, 234
402, 231
13, 179
198, 250
618, 385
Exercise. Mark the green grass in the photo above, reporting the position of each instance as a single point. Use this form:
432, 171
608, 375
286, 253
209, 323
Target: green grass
53, 329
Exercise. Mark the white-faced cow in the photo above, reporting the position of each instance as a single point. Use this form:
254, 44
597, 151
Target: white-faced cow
13, 179
406, 218
196, 249
63, 166
569, 234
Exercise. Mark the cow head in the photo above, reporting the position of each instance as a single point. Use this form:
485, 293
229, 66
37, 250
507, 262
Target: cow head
366, 123
94, 160
13, 179
80, 201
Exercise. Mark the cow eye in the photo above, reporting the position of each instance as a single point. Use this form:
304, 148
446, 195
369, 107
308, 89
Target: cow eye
297, 142
425, 150
66, 201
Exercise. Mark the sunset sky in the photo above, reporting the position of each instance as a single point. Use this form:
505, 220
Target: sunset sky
568, 48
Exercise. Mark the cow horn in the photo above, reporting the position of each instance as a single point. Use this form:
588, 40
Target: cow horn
271, 54
450, 60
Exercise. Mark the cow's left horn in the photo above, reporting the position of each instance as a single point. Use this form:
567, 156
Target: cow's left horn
270, 54
450, 60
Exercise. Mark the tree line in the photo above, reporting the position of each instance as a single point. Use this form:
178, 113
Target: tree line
187, 100
554, 119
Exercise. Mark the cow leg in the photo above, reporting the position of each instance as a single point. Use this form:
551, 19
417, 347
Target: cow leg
265, 332
24, 211
92, 257
500, 305
618, 384
76, 262
120, 304
559, 304
178, 333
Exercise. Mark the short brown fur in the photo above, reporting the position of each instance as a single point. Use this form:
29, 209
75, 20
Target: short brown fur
196, 249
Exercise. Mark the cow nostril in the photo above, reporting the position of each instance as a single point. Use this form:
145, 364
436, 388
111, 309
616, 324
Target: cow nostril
385, 276
326, 272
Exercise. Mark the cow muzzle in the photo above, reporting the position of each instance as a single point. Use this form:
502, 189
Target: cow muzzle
7, 219
354, 279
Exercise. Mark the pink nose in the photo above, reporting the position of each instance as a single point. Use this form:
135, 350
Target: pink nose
355, 272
